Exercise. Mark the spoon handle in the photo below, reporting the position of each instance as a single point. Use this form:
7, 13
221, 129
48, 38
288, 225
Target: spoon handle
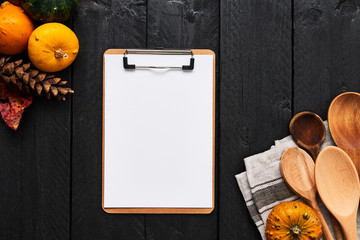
350, 228
337, 228
327, 233
313, 151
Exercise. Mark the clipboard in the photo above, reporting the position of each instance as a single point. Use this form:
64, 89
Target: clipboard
143, 88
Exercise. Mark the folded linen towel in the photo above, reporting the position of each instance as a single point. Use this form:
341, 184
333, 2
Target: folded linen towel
263, 187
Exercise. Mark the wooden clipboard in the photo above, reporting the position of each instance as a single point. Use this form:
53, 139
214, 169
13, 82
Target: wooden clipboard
161, 210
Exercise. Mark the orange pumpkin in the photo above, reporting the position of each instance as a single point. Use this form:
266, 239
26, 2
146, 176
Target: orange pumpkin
15, 29
293, 221
53, 47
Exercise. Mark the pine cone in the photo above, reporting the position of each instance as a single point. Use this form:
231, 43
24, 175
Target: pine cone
31, 79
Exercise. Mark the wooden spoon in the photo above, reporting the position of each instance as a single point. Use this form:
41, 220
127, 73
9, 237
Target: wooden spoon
298, 170
339, 188
308, 131
344, 124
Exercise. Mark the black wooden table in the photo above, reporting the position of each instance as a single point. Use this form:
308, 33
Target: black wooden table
274, 59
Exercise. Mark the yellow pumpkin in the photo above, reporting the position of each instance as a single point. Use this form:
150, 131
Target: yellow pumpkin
53, 47
293, 221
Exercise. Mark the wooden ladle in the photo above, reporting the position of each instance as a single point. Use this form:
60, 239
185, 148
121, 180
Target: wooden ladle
308, 131
298, 170
338, 185
344, 124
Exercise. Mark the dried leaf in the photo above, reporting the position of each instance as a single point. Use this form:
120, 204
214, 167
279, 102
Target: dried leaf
12, 110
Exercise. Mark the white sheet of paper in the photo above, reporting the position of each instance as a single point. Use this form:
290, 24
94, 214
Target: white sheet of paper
158, 133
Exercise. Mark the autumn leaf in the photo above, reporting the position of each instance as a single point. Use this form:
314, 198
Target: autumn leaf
12, 105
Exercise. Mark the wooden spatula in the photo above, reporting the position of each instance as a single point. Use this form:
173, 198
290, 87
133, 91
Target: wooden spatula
298, 170
338, 185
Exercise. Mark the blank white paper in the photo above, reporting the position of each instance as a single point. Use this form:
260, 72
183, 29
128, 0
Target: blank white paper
158, 133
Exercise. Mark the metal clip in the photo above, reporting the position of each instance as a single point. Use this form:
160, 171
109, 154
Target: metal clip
159, 52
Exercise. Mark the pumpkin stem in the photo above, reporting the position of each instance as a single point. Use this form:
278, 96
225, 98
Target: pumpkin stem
61, 54
295, 231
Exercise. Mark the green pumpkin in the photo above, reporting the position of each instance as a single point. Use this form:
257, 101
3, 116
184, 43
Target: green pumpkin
49, 10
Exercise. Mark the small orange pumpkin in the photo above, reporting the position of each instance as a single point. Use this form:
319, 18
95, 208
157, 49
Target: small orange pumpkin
293, 221
15, 29
53, 47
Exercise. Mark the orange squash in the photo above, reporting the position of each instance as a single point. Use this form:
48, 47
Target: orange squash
53, 47
293, 221
15, 29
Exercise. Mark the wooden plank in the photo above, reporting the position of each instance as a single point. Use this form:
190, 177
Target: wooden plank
17, 177
35, 170
99, 25
53, 163
184, 24
326, 52
255, 97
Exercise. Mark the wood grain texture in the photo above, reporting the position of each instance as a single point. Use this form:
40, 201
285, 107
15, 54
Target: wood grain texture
55, 155
326, 52
35, 170
99, 25
298, 170
52, 134
18, 185
334, 166
343, 119
308, 131
184, 24
255, 97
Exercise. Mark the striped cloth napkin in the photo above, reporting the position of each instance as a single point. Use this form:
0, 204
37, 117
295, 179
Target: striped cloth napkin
263, 187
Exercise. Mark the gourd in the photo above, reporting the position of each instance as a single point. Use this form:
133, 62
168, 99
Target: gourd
53, 47
15, 29
50, 10
293, 221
